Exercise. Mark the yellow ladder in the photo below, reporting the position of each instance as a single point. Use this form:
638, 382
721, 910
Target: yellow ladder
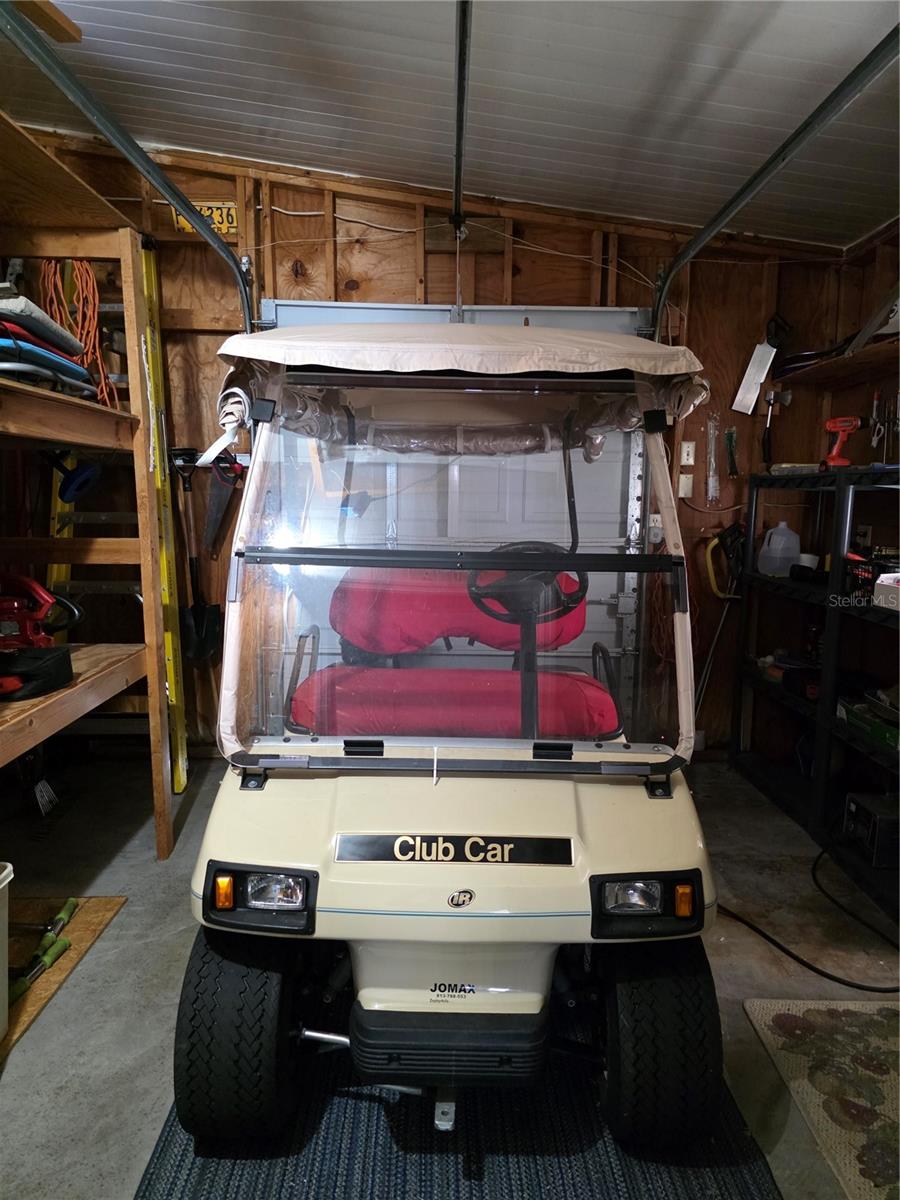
152, 349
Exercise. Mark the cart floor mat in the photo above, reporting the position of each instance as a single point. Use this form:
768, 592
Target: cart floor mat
374, 1143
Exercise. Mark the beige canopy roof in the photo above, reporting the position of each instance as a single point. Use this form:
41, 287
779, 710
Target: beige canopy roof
474, 349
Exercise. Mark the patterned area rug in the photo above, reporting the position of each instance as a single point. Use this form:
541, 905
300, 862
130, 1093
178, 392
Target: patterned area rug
839, 1059
372, 1143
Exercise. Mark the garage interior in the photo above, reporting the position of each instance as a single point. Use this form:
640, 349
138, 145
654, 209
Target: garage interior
718, 176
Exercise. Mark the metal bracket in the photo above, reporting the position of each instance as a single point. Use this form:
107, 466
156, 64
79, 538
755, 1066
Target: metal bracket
253, 781
445, 1110
659, 788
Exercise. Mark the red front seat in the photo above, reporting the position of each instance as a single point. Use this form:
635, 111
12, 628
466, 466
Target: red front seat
400, 611
448, 702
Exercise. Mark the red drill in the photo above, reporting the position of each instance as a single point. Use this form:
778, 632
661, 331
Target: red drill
842, 427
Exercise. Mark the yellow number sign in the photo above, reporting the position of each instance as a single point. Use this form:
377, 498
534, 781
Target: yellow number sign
221, 216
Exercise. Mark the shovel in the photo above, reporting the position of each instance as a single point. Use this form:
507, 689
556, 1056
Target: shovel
201, 623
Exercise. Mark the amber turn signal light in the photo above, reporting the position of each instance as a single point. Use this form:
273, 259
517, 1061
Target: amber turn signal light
684, 899
224, 891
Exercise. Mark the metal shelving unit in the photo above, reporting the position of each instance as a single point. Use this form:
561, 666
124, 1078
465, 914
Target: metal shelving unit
813, 801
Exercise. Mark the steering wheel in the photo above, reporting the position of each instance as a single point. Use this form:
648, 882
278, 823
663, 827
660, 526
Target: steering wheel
534, 594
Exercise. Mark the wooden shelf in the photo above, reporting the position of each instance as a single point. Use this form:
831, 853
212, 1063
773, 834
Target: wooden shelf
38, 191
42, 415
48, 211
102, 551
848, 369
101, 671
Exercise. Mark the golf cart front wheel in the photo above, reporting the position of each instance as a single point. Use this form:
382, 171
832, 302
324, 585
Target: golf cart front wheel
662, 1080
235, 1061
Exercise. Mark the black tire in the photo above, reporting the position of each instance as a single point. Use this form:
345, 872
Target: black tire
235, 1063
662, 1080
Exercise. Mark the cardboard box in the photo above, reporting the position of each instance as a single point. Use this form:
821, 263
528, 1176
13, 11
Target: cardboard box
887, 592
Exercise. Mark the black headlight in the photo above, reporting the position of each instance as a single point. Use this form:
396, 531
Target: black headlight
260, 899
647, 904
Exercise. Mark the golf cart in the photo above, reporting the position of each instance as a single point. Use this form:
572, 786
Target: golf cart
446, 827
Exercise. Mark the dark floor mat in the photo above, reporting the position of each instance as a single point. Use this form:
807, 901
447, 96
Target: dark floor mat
366, 1143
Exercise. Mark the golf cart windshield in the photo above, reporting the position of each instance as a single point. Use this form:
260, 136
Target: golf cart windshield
446, 563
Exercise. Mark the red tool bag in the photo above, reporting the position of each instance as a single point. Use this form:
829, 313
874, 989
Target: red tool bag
30, 662
33, 671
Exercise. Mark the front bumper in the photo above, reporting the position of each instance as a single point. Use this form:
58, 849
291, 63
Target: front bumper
447, 1049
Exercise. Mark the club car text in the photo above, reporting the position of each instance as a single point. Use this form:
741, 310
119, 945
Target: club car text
452, 848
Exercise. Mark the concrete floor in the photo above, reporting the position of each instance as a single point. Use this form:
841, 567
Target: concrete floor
84, 1094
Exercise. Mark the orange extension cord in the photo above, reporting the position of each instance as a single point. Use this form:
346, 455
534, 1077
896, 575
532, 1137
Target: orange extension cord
84, 323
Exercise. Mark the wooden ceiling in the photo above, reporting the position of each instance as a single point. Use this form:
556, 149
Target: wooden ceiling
648, 110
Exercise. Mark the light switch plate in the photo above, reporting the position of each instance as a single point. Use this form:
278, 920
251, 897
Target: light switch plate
685, 487
688, 451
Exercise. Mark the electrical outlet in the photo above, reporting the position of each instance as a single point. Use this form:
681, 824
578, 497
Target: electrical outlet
688, 453
685, 487
656, 520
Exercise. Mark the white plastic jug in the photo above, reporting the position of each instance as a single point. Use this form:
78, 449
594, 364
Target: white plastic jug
780, 550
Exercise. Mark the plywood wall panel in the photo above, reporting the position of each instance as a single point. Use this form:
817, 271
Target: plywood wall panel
727, 319
197, 289
200, 187
440, 278
540, 278
193, 374
638, 263
300, 252
850, 295
808, 300
115, 179
375, 264
879, 278
489, 278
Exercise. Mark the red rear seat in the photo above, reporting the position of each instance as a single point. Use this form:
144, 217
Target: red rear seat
446, 702
398, 611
